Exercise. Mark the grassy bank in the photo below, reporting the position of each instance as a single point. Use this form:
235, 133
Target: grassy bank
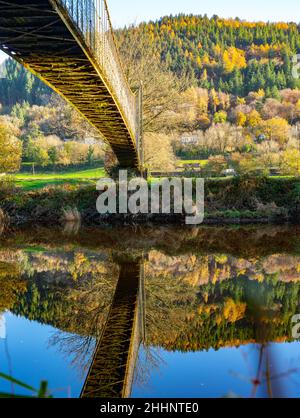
247, 200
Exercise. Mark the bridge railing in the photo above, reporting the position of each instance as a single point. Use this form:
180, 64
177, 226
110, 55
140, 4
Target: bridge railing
91, 19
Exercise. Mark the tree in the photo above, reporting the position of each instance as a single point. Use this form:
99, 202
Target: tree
224, 137
203, 122
277, 129
241, 119
253, 119
10, 149
90, 155
76, 152
220, 117
53, 155
234, 58
243, 163
160, 86
159, 154
215, 166
61, 119
291, 162
36, 151
19, 86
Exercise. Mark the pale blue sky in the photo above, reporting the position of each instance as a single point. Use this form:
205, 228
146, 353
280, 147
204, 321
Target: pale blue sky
124, 12
129, 11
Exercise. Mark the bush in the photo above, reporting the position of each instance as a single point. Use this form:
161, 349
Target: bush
7, 187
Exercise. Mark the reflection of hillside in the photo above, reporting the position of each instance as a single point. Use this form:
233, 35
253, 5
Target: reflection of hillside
11, 284
210, 299
193, 302
221, 314
200, 270
69, 290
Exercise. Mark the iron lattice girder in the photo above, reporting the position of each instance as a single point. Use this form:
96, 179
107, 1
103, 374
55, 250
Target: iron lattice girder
43, 39
111, 372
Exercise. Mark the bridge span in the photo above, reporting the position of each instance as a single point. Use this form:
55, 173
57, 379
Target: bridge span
70, 45
112, 369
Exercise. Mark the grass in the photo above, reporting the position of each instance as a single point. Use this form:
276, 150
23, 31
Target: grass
38, 181
202, 163
28, 181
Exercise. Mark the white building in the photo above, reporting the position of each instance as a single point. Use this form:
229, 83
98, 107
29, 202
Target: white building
189, 140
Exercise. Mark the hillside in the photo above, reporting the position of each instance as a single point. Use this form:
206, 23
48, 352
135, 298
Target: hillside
219, 92
233, 56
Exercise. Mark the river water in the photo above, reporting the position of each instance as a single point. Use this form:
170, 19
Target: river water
213, 310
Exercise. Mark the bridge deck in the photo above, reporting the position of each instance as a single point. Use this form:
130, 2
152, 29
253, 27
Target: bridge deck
43, 38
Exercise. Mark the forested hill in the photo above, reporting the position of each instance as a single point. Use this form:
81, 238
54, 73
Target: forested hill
228, 55
233, 56
18, 85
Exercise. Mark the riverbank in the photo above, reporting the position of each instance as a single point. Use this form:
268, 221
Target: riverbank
227, 201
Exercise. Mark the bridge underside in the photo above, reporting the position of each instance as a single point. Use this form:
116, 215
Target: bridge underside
34, 34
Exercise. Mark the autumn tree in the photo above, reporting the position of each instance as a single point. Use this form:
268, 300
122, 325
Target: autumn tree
241, 119
243, 163
11, 149
159, 154
253, 118
291, 162
216, 165
234, 58
276, 129
160, 87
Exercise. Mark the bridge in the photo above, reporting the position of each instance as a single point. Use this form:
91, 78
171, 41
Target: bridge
112, 370
70, 45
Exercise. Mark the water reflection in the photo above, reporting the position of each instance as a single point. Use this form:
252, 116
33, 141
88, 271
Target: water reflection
212, 306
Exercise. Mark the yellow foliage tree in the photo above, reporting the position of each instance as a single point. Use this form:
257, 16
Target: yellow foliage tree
11, 150
234, 311
291, 162
276, 129
241, 119
253, 119
234, 58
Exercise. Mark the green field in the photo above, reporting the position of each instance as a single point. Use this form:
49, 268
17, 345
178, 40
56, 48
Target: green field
182, 163
39, 181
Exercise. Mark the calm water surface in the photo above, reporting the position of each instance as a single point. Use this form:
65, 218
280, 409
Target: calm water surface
212, 310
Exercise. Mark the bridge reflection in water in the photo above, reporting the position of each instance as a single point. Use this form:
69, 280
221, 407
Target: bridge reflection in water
112, 370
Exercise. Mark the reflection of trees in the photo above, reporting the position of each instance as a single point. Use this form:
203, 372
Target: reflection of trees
79, 348
245, 241
193, 301
218, 314
11, 285
70, 292
147, 361
167, 305
96, 298
266, 380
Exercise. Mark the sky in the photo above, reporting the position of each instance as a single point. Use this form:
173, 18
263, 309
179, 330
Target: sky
125, 12
133, 11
